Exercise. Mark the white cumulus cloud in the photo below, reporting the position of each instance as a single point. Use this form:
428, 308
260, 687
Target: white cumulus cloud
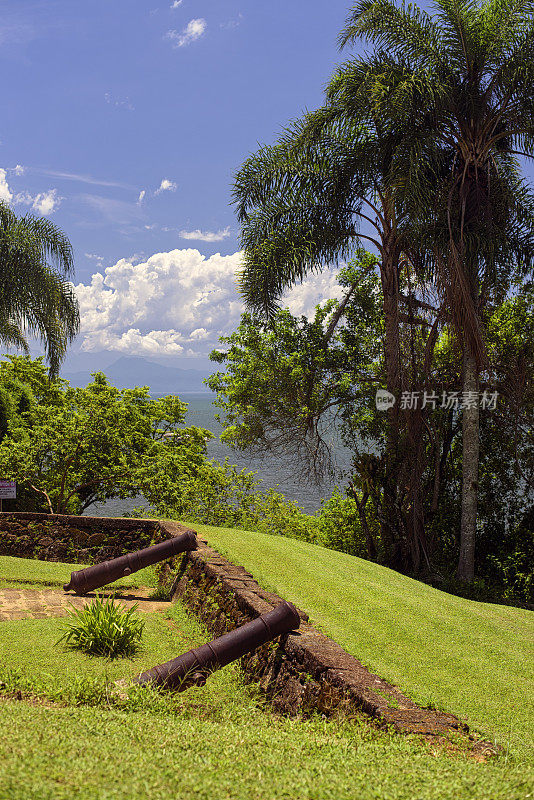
141, 197
177, 4
206, 236
302, 298
46, 202
166, 186
6, 195
149, 343
192, 31
177, 292
175, 303
95, 257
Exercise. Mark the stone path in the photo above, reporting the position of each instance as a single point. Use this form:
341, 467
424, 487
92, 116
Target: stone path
40, 603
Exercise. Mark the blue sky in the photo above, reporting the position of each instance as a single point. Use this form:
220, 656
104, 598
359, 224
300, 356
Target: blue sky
124, 122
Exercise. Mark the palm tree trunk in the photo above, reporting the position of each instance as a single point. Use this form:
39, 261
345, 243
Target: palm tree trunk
391, 342
470, 455
391, 527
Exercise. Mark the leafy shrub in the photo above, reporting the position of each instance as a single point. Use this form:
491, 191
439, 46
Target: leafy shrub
340, 525
271, 512
104, 628
509, 564
200, 490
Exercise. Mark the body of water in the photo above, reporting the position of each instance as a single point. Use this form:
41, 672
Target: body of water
274, 472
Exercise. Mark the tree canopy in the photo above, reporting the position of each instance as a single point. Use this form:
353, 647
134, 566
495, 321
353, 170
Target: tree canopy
69, 448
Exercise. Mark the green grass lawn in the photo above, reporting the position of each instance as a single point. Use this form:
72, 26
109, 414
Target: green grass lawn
220, 741
472, 659
40, 574
163, 639
235, 752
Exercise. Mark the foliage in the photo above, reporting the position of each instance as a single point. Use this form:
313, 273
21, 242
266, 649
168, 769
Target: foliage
288, 377
273, 513
35, 262
196, 489
457, 85
340, 525
73, 447
221, 494
269, 367
104, 628
419, 138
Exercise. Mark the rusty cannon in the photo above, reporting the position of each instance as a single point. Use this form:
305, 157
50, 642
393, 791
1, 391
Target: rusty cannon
194, 667
85, 580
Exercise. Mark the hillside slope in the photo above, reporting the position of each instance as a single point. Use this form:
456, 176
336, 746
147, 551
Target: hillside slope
473, 659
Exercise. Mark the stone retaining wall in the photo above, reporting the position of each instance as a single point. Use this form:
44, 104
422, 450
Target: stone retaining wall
81, 540
304, 670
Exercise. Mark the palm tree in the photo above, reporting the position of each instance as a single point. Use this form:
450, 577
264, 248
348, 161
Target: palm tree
35, 296
301, 203
461, 83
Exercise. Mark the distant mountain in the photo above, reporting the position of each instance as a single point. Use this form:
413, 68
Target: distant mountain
130, 371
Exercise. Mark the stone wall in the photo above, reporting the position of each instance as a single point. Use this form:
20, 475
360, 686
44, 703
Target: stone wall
304, 670
79, 540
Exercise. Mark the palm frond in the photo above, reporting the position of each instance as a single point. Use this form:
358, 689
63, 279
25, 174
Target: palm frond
36, 297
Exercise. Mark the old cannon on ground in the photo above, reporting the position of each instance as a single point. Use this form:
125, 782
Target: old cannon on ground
194, 667
85, 580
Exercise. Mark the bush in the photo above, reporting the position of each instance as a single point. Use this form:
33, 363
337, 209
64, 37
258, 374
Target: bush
509, 563
200, 490
271, 512
340, 525
223, 495
104, 628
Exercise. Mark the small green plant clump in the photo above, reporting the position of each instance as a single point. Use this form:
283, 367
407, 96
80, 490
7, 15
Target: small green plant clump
161, 592
103, 628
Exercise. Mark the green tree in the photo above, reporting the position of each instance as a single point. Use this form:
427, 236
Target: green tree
286, 378
300, 387
36, 297
463, 81
420, 139
73, 447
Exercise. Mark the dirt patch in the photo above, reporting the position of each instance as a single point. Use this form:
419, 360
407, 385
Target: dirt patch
41, 603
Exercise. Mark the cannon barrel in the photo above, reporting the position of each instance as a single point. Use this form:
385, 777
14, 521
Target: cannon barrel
85, 580
194, 667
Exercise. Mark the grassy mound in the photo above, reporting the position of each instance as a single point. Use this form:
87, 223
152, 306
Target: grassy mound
235, 751
472, 659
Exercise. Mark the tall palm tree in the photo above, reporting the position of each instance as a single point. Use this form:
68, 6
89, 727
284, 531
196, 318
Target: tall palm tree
36, 298
460, 82
301, 203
